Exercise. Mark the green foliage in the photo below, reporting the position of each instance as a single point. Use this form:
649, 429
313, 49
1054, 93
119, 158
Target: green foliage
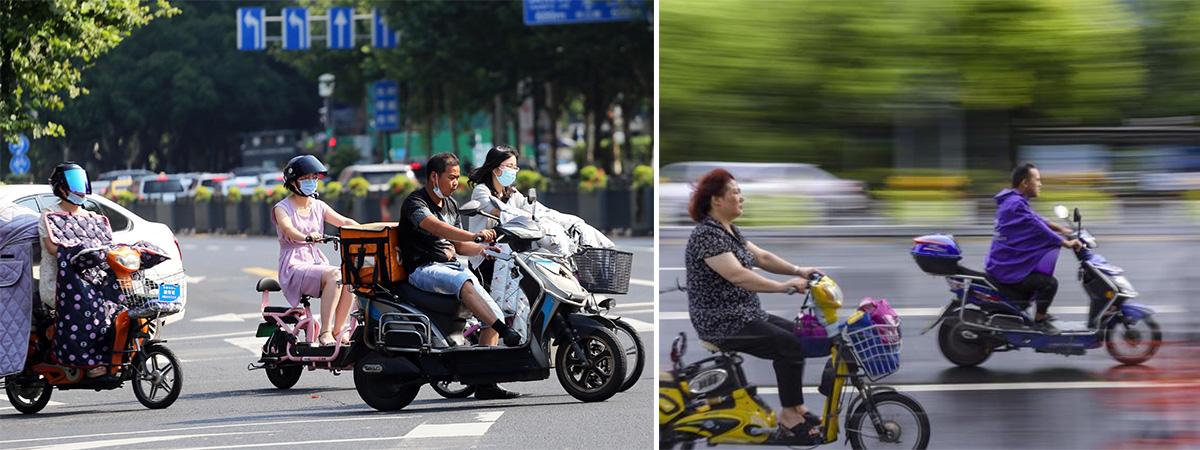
643, 176
358, 187
235, 194
400, 186
203, 194
1191, 195
530, 179
259, 194
276, 194
14, 178
341, 158
591, 178
125, 198
46, 45
332, 190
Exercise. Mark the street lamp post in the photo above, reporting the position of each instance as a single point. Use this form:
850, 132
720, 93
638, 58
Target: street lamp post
325, 88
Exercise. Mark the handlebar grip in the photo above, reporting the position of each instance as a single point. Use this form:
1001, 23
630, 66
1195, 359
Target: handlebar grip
478, 239
494, 254
792, 290
308, 239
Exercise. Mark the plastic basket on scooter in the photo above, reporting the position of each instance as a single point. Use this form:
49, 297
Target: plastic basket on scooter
603, 270
153, 295
876, 348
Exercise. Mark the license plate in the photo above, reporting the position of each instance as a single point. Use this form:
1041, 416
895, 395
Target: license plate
168, 292
265, 330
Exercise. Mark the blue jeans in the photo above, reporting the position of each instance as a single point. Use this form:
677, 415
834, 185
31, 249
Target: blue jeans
448, 278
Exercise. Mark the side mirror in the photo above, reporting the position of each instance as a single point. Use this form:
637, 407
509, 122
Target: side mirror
1077, 215
532, 195
1060, 211
470, 208
678, 348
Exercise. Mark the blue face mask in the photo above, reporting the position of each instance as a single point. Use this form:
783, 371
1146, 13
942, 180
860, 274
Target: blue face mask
308, 187
438, 192
75, 198
507, 177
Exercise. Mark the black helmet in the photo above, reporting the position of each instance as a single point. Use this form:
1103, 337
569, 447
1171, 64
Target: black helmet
300, 166
70, 177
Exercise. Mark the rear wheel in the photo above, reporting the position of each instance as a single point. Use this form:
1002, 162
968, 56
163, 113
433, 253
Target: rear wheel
28, 395
635, 352
383, 392
598, 373
1132, 342
283, 377
898, 422
959, 349
157, 377
452, 389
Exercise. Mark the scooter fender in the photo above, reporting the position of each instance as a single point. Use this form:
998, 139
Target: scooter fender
584, 324
950, 310
375, 363
1136, 311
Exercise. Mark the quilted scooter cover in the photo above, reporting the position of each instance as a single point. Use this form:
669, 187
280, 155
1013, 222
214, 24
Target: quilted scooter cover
18, 232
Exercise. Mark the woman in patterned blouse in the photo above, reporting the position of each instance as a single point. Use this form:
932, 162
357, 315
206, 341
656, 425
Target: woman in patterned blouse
723, 294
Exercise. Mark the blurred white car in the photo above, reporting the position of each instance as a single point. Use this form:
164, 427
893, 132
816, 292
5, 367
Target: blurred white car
377, 175
127, 227
833, 195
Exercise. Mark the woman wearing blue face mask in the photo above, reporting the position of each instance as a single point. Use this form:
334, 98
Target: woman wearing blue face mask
303, 268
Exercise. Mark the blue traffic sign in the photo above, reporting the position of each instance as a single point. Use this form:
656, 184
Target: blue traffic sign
340, 26
552, 12
19, 164
252, 31
21, 146
387, 111
295, 29
382, 35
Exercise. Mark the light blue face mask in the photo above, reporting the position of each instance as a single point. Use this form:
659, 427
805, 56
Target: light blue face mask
75, 198
438, 192
507, 177
308, 187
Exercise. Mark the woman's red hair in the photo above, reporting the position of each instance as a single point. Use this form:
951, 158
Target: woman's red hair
712, 184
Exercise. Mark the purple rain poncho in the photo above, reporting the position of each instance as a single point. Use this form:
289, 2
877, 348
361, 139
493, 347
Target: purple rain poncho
1023, 241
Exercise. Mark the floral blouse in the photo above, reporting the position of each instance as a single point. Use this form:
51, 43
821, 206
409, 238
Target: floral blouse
718, 308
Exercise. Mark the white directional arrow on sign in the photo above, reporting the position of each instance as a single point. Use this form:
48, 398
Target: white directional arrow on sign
340, 22
252, 22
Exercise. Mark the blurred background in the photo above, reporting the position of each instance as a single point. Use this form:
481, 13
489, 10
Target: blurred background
853, 127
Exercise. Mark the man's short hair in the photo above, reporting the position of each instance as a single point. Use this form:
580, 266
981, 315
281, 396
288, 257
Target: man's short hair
1021, 173
439, 162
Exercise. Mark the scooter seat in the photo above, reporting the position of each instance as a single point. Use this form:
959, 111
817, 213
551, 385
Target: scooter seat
710, 346
268, 284
276, 309
970, 272
429, 301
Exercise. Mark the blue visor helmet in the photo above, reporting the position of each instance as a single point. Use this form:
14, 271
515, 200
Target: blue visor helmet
71, 178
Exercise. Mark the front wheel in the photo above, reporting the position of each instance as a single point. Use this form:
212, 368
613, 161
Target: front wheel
157, 377
28, 396
598, 373
451, 389
635, 352
1132, 342
898, 421
959, 350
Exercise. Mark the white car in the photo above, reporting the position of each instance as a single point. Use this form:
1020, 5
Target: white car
377, 175
127, 227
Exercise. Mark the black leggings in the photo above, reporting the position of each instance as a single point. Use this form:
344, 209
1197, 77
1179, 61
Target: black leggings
774, 339
1039, 287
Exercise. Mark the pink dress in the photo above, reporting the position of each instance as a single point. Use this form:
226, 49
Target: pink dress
301, 264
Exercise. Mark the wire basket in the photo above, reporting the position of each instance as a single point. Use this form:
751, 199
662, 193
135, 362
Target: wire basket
603, 270
153, 295
876, 348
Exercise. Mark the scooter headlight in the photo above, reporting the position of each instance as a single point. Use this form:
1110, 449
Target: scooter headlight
1124, 285
124, 261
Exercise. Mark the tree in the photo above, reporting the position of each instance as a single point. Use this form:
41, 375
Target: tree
45, 46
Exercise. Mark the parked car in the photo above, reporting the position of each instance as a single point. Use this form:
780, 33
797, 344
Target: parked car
270, 180
377, 175
127, 227
124, 173
759, 180
162, 187
212, 181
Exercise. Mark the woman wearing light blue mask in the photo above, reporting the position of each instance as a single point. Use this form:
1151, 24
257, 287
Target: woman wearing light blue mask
303, 268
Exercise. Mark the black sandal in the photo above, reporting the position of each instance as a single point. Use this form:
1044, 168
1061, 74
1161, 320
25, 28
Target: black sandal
802, 434
812, 419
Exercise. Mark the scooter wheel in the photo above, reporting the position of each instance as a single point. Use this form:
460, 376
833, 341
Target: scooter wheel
157, 377
957, 349
383, 392
283, 377
598, 373
1133, 344
635, 352
450, 389
903, 422
28, 397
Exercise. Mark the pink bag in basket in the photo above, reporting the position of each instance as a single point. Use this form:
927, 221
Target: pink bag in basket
881, 313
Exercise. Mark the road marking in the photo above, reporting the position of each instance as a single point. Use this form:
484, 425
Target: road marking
640, 326
444, 430
140, 440
49, 403
636, 311
252, 344
932, 312
194, 280
159, 431
188, 246
641, 282
628, 305
212, 248
1033, 386
227, 317
240, 248
262, 272
211, 336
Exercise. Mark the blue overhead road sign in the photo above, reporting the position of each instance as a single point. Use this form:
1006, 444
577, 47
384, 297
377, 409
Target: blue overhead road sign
340, 26
382, 35
19, 164
551, 12
295, 29
251, 32
387, 110
20, 147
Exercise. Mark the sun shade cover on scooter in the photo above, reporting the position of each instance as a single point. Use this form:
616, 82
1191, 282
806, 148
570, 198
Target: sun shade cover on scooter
18, 232
83, 332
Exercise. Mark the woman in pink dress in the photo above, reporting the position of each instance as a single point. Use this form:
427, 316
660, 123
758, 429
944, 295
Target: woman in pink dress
303, 268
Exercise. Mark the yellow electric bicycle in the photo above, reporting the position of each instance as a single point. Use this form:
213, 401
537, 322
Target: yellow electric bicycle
710, 400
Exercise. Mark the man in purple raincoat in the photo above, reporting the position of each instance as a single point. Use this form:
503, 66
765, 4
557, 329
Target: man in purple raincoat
1025, 247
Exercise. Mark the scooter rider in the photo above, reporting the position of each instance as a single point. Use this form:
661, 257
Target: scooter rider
1021, 258
434, 238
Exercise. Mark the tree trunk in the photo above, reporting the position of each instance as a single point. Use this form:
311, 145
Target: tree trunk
552, 156
499, 130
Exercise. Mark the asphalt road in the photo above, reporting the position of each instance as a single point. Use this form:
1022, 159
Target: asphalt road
224, 405
1016, 399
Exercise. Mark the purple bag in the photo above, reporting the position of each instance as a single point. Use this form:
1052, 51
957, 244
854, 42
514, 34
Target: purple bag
812, 336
